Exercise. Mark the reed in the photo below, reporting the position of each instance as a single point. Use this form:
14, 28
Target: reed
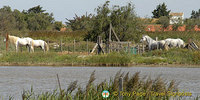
93, 92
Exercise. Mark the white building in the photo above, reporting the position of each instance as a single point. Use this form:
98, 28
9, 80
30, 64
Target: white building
176, 18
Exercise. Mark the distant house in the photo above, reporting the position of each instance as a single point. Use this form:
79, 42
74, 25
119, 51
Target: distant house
176, 18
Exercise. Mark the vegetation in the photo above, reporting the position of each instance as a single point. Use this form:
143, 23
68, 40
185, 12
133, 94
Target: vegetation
161, 10
124, 20
93, 91
33, 19
164, 21
157, 57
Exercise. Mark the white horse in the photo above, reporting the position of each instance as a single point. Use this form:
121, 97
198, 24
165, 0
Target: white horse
152, 44
175, 42
18, 42
28, 40
39, 43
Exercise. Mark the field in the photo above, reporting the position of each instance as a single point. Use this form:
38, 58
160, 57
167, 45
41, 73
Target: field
77, 52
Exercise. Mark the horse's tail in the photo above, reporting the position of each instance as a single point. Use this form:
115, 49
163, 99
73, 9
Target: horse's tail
46, 46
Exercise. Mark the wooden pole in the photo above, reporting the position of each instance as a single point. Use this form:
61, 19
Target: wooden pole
7, 42
120, 88
59, 84
110, 33
128, 47
138, 48
157, 42
142, 47
61, 45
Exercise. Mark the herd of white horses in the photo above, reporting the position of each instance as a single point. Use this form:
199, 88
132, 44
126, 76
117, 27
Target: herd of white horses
28, 42
162, 44
152, 44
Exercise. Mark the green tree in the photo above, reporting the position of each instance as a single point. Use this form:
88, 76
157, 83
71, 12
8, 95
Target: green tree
164, 21
37, 19
101, 22
123, 19
20, 20
58, 25
125, 22
161, 10
191, 23
7, 19
36, 9
84, 22
195, 14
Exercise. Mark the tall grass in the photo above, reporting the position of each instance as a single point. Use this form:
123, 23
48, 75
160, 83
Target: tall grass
93, 91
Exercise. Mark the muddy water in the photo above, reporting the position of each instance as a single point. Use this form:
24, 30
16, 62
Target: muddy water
13, 80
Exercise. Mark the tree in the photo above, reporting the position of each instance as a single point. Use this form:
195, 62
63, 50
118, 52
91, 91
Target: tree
36, 9
164, 21
81, 23
195, 14
20, 20
101, 23
37, 19
7, 19
123, 19
161, 10
58, 25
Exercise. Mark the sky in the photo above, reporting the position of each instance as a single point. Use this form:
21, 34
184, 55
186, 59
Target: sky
63, 9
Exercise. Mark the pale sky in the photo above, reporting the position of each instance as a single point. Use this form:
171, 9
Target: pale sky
68, 8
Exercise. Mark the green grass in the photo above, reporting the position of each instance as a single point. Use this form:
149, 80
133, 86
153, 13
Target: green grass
173, 56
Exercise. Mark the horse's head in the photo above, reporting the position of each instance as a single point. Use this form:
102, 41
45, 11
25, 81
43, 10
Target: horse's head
143, 39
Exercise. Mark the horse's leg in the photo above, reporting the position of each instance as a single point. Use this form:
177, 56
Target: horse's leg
29, 49
21, 48
16, 47
43, 48
32, 48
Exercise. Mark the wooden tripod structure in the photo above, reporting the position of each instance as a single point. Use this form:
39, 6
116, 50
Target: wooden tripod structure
99, 44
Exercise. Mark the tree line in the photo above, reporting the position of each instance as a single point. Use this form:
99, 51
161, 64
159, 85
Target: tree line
32, 19
162, 13
124, 20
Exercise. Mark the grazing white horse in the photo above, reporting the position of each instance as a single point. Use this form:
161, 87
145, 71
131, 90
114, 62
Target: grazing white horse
18, 42
152, 44
28, 40
39, 43
175, 42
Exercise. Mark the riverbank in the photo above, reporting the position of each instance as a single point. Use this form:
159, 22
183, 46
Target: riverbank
157, 58
100, 65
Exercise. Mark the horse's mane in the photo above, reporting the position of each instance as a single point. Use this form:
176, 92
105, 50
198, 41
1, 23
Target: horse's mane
149, 39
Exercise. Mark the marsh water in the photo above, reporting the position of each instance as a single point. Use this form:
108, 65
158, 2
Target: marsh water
15, 79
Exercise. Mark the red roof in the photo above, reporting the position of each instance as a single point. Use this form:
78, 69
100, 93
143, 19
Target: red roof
153, 28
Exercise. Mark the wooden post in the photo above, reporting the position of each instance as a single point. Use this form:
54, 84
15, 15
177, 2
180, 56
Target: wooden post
7, 42
99, 45
128, 47
138, 48
157, 42
120, 88
61, 45
59, 84
142, 47
110, 33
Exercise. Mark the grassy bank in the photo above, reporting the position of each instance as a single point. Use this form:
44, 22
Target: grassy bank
145, 87
157, 57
